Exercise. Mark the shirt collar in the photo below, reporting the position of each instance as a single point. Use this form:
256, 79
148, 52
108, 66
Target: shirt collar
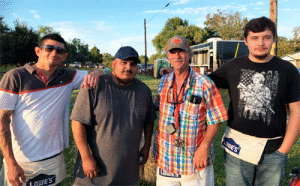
189, 81
29, 67
31, 70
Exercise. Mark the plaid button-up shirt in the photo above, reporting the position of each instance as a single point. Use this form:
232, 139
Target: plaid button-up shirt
194, 117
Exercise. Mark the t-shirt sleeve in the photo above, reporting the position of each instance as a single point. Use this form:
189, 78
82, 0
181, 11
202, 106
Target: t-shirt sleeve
294, 85
151, 113
78, 79
216, 111
82, 110
9, 87
219, 77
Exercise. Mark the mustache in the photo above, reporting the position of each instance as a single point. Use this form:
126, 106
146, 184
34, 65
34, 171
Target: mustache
258, 48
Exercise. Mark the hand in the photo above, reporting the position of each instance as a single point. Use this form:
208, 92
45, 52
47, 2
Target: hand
201, 157
144, 153
91, 79
165, 70
157, 98
90, 168
14, 173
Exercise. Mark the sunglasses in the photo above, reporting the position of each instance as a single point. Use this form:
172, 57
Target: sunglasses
50, 48
170, 97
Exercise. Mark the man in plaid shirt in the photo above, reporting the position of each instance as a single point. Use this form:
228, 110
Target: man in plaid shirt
191, 111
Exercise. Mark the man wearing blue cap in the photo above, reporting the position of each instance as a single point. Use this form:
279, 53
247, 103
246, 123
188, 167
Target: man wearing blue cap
107, 124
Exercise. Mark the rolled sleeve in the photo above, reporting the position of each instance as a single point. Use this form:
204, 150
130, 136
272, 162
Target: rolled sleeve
82, 110
9, 94
216, 111
78, 79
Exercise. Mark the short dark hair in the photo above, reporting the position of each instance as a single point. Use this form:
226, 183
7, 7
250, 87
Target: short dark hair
260, 25
54, 37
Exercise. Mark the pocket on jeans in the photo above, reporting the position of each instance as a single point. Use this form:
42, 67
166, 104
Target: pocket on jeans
280, 153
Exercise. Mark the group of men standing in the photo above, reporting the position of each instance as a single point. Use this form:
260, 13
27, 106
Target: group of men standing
112, 110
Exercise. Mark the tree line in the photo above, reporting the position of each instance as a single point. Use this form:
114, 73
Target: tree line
227, 26
17, 44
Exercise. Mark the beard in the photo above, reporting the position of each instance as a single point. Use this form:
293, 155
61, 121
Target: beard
123, 82
261, 57
53, 65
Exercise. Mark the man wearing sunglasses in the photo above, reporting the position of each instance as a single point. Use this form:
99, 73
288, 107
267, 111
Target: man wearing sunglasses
34, 115
191, 110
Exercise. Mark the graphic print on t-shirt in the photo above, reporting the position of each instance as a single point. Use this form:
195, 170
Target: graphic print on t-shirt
257, 92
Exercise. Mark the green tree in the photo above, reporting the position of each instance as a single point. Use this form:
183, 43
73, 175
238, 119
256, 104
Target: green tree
177, 26
72, 52
78, 51
296, 39
25, 40
226, 25
95, 55
285, 46
44, 30
156, 56
142, 59
289, 46
17, 45
197, 35
107, 59
4, 43
3, 27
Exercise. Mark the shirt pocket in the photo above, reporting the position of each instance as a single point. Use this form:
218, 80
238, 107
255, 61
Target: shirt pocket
190, 110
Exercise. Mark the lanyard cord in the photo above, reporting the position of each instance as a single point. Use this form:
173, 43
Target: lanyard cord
176, 104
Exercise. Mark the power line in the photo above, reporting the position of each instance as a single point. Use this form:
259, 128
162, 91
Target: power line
159, 11
154, 16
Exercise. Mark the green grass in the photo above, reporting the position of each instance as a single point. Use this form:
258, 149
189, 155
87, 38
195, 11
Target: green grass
6, 68
71, 152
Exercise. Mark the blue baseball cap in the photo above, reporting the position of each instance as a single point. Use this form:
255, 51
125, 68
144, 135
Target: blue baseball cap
127, 52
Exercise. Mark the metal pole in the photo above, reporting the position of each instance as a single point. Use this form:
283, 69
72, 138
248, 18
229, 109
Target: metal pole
145, 45
273, 17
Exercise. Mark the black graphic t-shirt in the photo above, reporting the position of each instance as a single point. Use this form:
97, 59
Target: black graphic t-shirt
259, 93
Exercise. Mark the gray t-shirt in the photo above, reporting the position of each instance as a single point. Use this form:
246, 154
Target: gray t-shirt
114, 116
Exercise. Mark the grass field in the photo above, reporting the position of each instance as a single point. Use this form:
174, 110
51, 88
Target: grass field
71, 152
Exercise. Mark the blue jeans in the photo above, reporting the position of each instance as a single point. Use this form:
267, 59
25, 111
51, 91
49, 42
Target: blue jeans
268, 172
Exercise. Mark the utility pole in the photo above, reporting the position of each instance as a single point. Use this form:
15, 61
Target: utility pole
145, 45
273, 17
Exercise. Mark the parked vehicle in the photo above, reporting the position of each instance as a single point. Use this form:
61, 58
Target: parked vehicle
209, 56
141, 65
91, 66
141, 68
75, 64
101, 66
